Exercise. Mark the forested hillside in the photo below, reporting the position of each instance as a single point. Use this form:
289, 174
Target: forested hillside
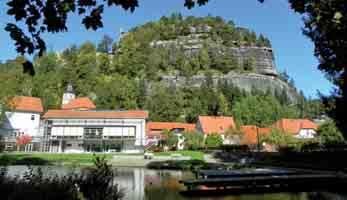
127, 75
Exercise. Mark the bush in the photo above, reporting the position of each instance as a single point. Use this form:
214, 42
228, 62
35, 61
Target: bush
213, 141
278, 138
329, 134
193, 140
93, 184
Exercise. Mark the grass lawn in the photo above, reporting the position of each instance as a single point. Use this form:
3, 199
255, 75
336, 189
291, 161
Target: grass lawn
48, 159
195, 155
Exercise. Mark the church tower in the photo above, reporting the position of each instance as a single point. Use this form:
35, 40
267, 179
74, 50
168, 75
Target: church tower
68, 94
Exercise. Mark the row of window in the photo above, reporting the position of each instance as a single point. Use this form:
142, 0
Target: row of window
82, 121
81, 137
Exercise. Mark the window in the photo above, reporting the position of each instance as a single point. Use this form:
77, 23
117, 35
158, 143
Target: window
93, 132
32, 117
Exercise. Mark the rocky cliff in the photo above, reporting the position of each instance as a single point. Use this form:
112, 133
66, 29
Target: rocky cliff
263, 77
245, 82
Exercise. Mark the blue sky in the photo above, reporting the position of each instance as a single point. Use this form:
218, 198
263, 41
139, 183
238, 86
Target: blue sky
293, 51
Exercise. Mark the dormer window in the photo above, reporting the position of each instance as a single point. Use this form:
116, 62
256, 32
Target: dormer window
32, 117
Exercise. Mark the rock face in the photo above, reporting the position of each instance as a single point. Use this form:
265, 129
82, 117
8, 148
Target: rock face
193, 42
264, 77
245, 82
263, 57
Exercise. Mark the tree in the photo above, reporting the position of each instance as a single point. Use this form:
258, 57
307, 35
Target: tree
261, 110
193, 140
2, 142
329, 134
164, 104
213, 140
278, 138
171, 139
223, 105
116, 92
325, 24
52, 16
104, 64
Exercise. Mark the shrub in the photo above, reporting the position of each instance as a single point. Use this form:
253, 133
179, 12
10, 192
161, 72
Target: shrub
278, 138
213, 141
93, 184
193, 140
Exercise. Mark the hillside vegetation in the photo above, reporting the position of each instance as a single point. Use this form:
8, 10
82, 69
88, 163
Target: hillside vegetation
129, 77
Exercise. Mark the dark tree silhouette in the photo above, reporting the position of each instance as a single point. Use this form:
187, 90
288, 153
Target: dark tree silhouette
326, 25
51, 16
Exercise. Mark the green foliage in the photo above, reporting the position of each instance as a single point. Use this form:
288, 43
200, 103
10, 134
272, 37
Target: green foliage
278, 137
98, 182
329, 134
164, 104
213, 141
193, 140
128, 79
261, 110
116, 92
95, 183
328, 33
171, 139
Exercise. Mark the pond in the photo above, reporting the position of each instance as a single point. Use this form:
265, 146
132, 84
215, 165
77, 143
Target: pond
145, 184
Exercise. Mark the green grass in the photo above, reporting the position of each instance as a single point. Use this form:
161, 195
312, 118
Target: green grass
195, 155
48, 159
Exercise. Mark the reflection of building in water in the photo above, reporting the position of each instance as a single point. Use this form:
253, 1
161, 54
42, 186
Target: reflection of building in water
134, 180
131, 181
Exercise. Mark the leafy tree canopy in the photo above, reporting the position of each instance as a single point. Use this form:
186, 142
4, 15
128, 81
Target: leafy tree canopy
329, 134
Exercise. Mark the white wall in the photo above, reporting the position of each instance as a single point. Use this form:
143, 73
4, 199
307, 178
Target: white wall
112, 127
306, 134
22, 122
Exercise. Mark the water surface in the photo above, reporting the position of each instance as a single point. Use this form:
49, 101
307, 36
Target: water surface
145, 184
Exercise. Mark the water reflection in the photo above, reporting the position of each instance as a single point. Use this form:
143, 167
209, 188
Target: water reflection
144, 184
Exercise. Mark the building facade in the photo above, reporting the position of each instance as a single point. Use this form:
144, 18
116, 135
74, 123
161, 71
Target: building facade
94, 131
23, 118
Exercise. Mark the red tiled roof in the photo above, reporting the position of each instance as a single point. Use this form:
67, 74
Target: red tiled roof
170, 126
294, 126
75, 114
216, 124
23, 103
155, 128
250, 134
79, 103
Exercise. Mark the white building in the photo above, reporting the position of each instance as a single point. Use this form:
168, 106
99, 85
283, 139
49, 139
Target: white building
23, 118
94, 131
78, 127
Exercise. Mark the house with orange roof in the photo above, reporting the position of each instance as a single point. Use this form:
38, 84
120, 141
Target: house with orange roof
155, 130
299, 128
23, 118
215, 125
80, 127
